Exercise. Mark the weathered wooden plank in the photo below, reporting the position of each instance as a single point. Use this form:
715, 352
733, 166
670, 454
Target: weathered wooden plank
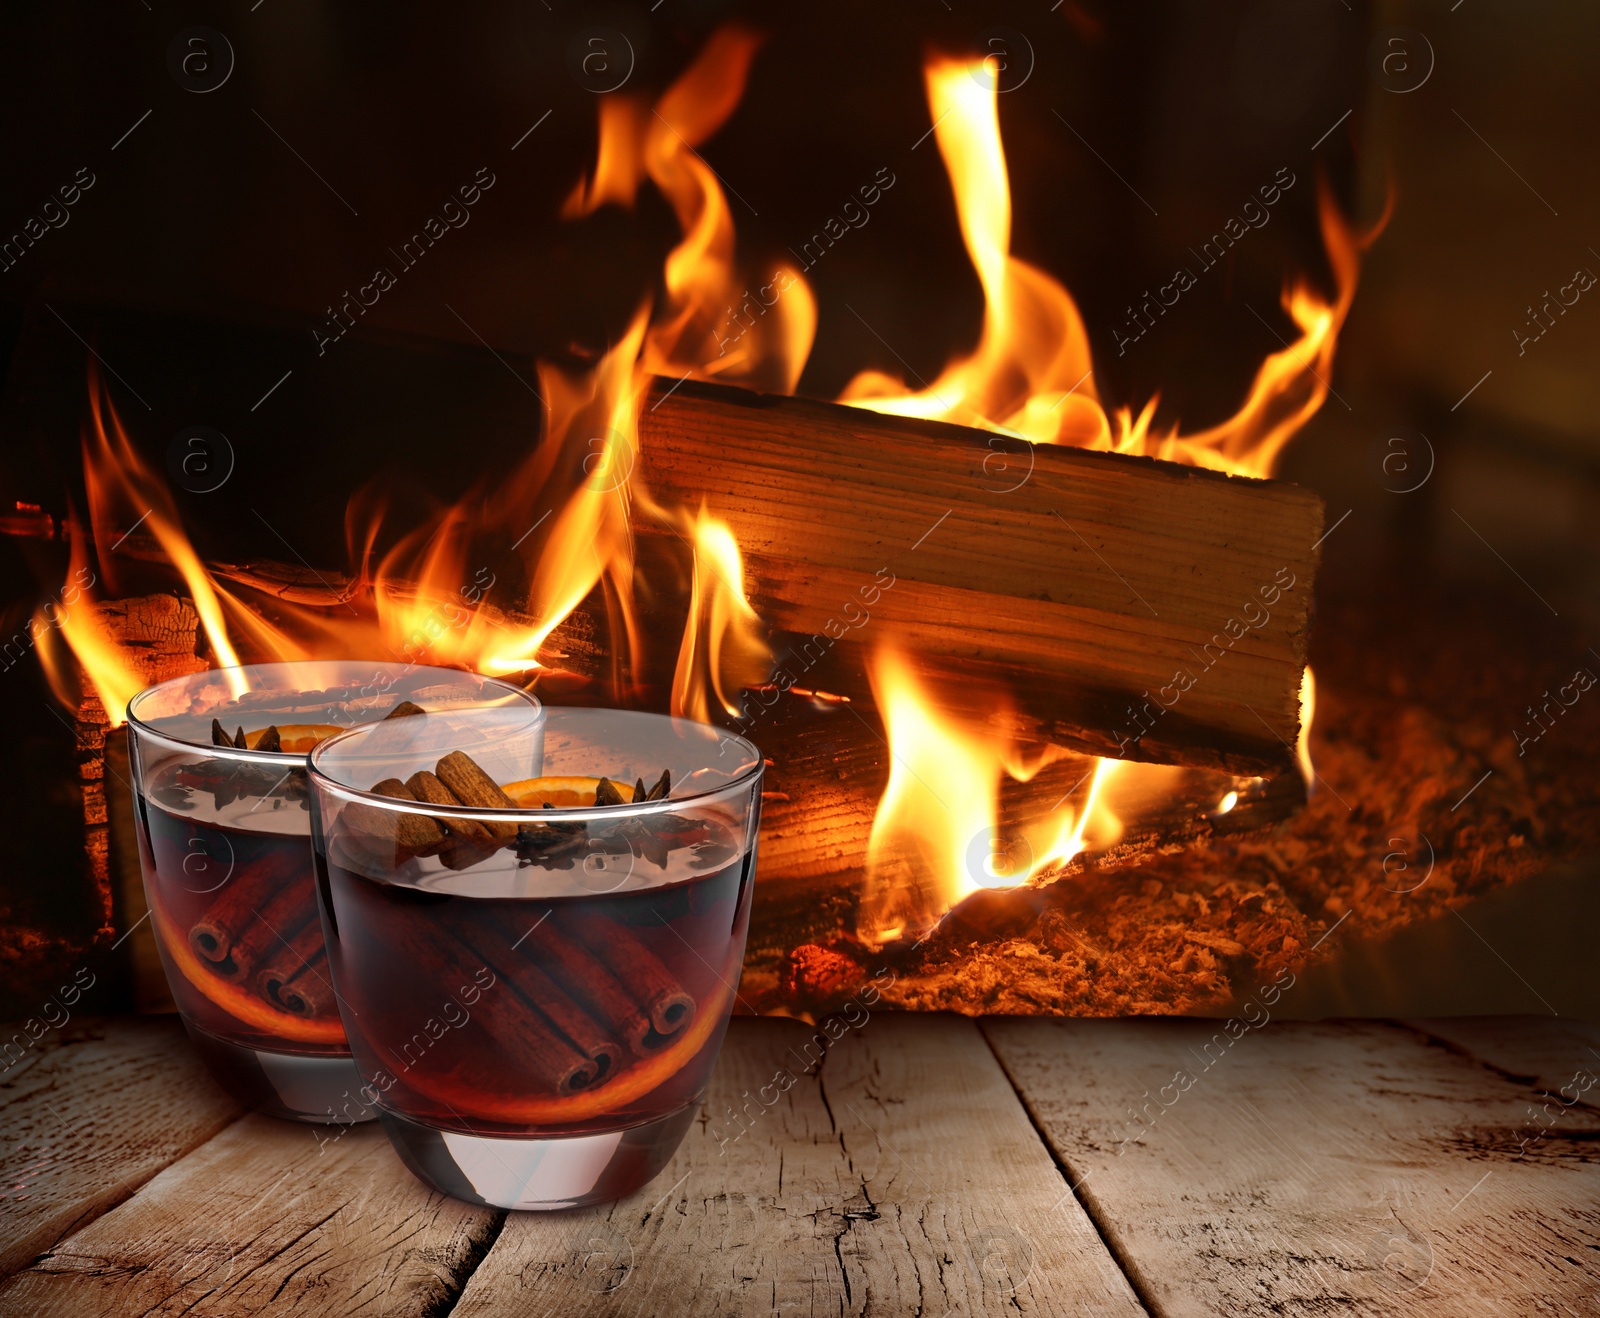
900, 1176
88, 1114
1098, 576
1559, 1056
270, 1216
1346, 1167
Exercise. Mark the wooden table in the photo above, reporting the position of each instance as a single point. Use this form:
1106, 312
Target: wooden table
930, 1165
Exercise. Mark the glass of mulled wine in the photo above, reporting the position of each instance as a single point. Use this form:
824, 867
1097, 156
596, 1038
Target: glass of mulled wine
536, 972
223, 818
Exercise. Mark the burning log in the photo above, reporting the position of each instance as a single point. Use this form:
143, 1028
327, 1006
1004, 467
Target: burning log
827, 765
1139, 609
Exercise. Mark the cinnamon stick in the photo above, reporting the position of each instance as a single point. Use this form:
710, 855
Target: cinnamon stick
303, 958
510, 960
529, 1049
265, 886
425, 786
286, 912
389, 836
473, 787
593, 985
310, 993
648, 979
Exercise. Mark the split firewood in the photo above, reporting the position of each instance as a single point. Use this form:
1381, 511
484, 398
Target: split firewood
1136, 608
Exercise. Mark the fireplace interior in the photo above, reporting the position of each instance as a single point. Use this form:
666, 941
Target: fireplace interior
211, 324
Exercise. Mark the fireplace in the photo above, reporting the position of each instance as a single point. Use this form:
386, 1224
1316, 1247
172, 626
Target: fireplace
1015, 588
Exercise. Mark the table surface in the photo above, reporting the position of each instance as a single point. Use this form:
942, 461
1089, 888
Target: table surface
929, 1165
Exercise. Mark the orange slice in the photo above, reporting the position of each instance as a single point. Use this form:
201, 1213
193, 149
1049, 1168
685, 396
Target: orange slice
296, 738
533, 793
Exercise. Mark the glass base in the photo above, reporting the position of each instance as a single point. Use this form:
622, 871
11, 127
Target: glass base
566, 1171
312, 1087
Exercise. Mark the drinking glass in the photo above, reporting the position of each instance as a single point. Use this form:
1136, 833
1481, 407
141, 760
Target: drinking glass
224, 843
536, 984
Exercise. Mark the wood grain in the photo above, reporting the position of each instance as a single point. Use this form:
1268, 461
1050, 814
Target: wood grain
1370, 1168
1344, 1166
899, 1177
270, 1216
1558, 1057
90, 1112
1085, 580
157, 635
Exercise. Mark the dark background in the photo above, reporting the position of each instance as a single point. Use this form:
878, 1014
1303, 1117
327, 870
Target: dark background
223, 223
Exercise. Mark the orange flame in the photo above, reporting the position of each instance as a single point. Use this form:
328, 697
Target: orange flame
1032, 375
567, 508
714, 321
126, 497
936, 837
723, 646
107, 666
619, 165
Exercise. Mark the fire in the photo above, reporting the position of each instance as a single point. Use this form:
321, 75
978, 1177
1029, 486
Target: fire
108, 670
723, 645
936, 837
1032, 375
126, 496
569, 508
713, 323
1308, 711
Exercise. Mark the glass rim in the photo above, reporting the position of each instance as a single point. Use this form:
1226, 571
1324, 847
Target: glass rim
244, 754
534, 814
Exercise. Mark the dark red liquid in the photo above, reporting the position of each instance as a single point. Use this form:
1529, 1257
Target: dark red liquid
472, 1014
198, 871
